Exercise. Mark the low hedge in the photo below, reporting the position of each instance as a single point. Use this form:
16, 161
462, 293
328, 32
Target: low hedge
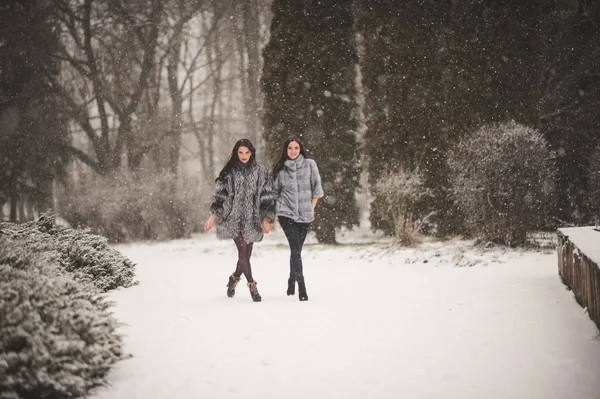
58, 338
86, 255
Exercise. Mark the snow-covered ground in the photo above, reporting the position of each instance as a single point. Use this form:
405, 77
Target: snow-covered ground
440, 321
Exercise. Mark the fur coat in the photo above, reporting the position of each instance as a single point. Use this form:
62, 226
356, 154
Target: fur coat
243, 198
295, 185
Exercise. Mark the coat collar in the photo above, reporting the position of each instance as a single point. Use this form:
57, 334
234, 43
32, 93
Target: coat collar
294, 164
244, 167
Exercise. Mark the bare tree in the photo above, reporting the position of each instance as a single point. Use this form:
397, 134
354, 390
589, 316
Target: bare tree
182, 63
108, 53
139, 76
248, 45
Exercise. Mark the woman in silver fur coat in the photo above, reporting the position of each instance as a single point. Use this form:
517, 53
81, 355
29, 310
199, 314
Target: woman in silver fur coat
243, 209
298, 188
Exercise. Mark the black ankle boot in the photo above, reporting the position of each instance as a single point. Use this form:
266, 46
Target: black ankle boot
302, 295
254, 292
231, 284
291, 286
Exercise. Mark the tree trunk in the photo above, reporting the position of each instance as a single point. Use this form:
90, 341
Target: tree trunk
216, 71
202, 154
174, 138
249, 48
14, 198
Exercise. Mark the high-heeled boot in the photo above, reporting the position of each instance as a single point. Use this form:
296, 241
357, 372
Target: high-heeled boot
231, 284
291, 286
254, 292
302, 295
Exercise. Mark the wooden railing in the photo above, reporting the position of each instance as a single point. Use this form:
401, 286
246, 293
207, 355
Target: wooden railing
581, 274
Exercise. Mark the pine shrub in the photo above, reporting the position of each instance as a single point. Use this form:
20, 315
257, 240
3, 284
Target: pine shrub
57, 336
86, 256
594, 181
502, 180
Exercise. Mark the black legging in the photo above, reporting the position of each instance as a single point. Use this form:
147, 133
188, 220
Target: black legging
244, 253
296, 234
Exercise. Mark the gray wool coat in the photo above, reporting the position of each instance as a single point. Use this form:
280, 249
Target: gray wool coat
242, 200
295, 186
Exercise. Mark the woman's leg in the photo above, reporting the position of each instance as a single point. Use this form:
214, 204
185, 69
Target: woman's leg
291, 233
296, 235
250, 246
302, 231
235, 277
243, 263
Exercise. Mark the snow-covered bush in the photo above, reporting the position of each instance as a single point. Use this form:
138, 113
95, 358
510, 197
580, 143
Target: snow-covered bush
502, 180
57, 336
401, 192
124, 207
87, 256
594, 179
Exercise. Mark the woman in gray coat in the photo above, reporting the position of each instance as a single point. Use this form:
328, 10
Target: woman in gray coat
298, 188
243, 209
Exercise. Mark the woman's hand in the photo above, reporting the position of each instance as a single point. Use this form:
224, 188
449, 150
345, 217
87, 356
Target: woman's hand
209, 223
313, 203
266, 226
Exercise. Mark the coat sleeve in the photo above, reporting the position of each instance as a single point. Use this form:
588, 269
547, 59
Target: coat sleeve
216, 207
268, 197
278, 185
315, 181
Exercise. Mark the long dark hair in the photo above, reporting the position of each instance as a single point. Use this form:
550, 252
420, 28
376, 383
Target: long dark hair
284, 156
233, 157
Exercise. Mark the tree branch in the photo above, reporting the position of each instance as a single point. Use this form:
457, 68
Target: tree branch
149, 52
83, 157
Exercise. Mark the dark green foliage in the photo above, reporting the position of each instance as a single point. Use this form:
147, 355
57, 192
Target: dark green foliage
87, 257
57, 336
33, 132
432, 70
536, 63
570, 100
594, 179
490, 55
503, 182
309, 82
401, 66
493, 59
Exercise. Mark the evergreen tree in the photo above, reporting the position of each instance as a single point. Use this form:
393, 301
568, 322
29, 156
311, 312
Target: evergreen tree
492, 71
400, 65
309, 82
493, 62
33, 133
535, 63
434, 71
569, 101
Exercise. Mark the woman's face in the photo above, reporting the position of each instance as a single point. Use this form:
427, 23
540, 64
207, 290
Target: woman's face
293, 150
244, 154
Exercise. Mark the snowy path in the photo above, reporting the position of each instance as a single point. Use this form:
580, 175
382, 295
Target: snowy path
377, 325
